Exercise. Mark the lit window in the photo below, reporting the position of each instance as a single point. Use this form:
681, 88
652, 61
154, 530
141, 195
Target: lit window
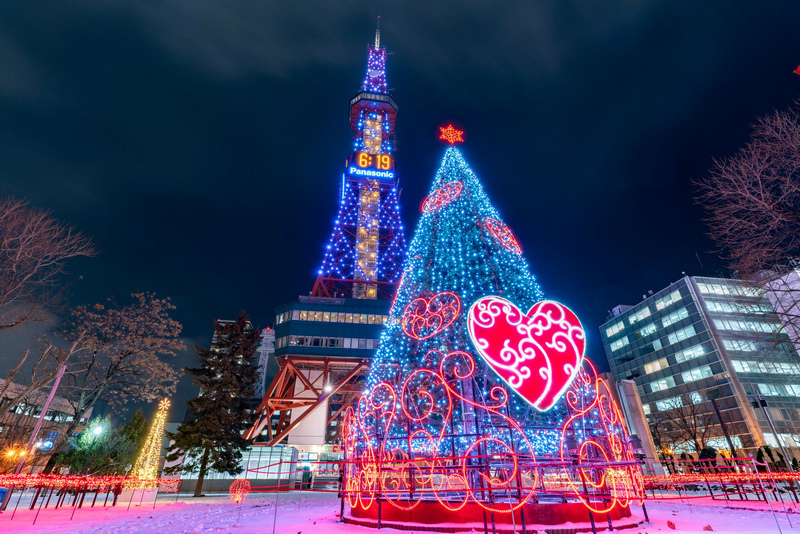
646, 408
696, 398
638, 316
680, 335
657, 365
614, 329
739, 345
618, 344
647, 330
675, 317
689, 354
672, 298
669, 404
661, 385
697, 374
769, 389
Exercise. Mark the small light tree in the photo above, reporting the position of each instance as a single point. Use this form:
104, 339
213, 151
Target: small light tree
211, 438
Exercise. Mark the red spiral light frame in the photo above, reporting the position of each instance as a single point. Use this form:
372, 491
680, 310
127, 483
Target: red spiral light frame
400, 447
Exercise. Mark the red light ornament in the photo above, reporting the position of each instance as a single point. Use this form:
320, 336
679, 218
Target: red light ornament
239, 490
503, 235
424, 318
451, 135
442, 196
538, 354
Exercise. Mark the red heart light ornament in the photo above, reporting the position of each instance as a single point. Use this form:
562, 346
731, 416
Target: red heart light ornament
424, 318
538, 354
444, 195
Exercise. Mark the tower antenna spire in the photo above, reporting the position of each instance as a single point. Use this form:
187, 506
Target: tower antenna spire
378, 34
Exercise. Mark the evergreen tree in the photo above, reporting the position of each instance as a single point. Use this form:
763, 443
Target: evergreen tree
102, 449
133, 433
211, 438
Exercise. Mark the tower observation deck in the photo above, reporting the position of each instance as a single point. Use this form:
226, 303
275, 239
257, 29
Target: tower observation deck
365, 253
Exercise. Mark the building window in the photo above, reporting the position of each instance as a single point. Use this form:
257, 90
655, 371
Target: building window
661, 385
638, 316
746, 326
696, 398
669, 404
646, 408
696, 374
618, 344
680, 335
740, 345
672, 298
657, 365
674, 317
689, 354
769, 389
647, 330
614, 329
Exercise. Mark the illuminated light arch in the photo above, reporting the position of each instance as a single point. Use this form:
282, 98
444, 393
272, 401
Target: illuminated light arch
537, 354
423, 317
503, 235
422, 411
442, 196
621, 477
396, 446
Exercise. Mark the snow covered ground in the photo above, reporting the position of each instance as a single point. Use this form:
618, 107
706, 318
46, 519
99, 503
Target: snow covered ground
317, 513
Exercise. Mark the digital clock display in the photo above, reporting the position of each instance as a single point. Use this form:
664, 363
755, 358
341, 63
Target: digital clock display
371, 165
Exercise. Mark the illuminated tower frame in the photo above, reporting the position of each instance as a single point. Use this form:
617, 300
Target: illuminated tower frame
365, 253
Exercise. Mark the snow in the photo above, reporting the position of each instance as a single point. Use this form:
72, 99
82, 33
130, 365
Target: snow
317, 513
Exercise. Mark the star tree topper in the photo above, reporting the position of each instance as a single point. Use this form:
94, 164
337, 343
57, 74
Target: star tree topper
451, 135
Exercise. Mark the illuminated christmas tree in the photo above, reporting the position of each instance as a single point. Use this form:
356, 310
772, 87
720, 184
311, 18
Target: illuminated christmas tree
146, 467
479, 393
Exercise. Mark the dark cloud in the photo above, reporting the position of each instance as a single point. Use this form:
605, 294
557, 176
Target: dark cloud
201, 143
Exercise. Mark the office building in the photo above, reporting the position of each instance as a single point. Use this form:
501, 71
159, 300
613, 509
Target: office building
705, 341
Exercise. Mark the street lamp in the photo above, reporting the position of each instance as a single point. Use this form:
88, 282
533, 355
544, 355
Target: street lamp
96, 431
759, 400
638, 452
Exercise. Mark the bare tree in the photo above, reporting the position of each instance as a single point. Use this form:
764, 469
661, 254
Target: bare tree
42, 372
681, 423
753, 198
33, 250
122, 356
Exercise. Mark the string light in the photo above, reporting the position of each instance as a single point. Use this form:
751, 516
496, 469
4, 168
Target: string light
367, 243
435, 421
146, 466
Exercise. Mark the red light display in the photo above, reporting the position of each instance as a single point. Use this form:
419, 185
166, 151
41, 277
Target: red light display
451, 135
442, 196
424, 318
589, 398
538, 354
503, 235
239, 490
398, 446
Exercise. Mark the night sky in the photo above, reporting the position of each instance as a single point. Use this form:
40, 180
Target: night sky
201, 144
